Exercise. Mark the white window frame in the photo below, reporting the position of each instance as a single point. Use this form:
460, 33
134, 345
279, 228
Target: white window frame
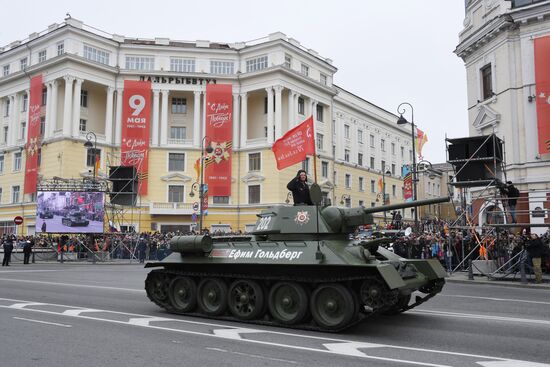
346, 131
42, 55
360, 159
182, 64
23, 63
2, 160
248, 194
82, 125
168, 193
372, 140
256, 63
346, 155
323, 79
15, 200
168, 162
319, 112
347, 181
288, 61
222, 67
304, 69
361, 182
17, 161
60, 46
96, 54
324, 166
93, 160
373, 186
24, 102
181, 103
140, 62
248, 162
183, 128
372, 162
359, 136
392, 148
320, 141
383, 145
22, 130
6, 70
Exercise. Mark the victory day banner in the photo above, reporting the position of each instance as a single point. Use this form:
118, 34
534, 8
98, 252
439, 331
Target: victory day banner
407, 183
542, 80
219, 134
33, 135
136, 116
295, 145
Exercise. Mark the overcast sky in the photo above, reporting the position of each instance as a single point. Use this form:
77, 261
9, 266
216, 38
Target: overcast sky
386, 51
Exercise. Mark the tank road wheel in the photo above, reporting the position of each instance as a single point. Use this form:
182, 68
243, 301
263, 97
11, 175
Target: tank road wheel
156, 286
183, 294
399, 306
288, 302
376, 295
212, 296
246, 299
332, 306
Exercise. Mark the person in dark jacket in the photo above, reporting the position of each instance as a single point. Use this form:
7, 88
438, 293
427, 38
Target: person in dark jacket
512, 194
300, 189
27, 251
536, 249
8, 248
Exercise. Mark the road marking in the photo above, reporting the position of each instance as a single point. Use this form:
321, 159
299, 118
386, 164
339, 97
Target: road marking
500, 299
511, 364
144, 321
344, 350
26, 271
234, 334
482, 317
74, 285
22, 305
42, 322
252, 355
77, 312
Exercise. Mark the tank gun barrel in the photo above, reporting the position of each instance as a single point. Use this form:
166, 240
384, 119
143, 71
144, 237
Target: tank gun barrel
410, 204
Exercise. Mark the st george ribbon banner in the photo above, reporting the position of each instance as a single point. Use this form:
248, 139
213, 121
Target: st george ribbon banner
407, 184
136, 116
295, 145
542, 79
33, 135
219, 134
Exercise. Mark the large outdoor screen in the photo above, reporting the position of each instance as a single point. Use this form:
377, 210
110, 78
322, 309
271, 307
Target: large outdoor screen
69, 212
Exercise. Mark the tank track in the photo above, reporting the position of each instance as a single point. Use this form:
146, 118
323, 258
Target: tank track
266, 320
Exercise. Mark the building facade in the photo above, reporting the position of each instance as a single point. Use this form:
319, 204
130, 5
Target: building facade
276, 84
497, 46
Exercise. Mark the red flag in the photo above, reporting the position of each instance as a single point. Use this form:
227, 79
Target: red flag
295, 145
33, 135
97, 164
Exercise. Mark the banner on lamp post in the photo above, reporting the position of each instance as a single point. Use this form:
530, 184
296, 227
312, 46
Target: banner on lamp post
407, 184
33, 135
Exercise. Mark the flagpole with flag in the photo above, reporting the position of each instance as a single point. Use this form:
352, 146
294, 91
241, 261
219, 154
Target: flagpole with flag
295, 146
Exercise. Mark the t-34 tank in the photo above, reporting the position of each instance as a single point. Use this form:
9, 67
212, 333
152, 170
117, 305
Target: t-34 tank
298, 268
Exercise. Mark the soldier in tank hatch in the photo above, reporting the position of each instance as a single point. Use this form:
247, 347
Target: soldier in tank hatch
300, 189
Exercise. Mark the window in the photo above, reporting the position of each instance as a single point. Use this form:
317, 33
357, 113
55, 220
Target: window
42, 56
333, 150
23, 63
6, 130
305, 165
6, 107
222, 67
84, 98
361, 184
288, 61
360, 159
319, 113
253, 194
371, 138
347, 181
140, 62
257, 63
402, 152
361, 203
393, 190
486, 82
334, 178
44, 96
305, 70
382, 145
372, 204
60, 48
320, 141
360, 136
15, 190
39, 158
82, 125
410, 155
372, 162
182, 65
393, 169
178, 132
22, 130
324, 169
301, 106
346, 155
96, 54
323, 79
91, 156
6, 70
383, 165
220, 200
175, 193
372, 186
25, 102
2, 163
346, 131
393, 148
179, 105
254, 162
17, 161
176, 161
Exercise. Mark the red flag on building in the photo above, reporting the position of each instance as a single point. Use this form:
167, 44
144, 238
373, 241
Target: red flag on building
295, 145
33, 135
542, 80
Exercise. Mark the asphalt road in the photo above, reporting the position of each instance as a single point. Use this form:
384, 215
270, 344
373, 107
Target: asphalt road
98, 315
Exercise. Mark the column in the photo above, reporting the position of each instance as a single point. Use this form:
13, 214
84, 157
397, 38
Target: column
47, 128
290, 109
244, 120
278, 111
118, 120
164, 119
109, 115
67, 105
53, 108
203, 131
14, 121
269, 115
314, 109
76, 107
235, 121
156, 96
307, 107
197, 119
296, 114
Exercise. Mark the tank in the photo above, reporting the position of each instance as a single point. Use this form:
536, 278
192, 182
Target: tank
74, 219
298, 269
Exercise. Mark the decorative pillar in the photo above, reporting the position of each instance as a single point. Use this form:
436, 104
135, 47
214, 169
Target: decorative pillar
307, 107
278, 111
269, 115
290, 109
164, 118
197, 118
67, 105
109, 116
76, 107
53, 108
296, 113
156, 96
244, 120
118, 120
47, 128
235, 121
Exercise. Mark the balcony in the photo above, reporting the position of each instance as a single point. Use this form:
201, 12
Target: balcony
163, 208
186, 142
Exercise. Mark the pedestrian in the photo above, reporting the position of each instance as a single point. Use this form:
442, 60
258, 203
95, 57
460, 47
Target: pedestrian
43, 227
27, 250
300, 189
141, 248
536, 250
8, 248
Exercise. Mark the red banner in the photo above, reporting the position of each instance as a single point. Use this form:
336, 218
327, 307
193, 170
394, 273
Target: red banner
219, 134
33, 135
407, 183
542, 80
421, 139
295, 145
136, 116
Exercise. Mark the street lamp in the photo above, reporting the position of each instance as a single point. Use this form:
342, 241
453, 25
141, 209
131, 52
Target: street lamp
402, 121
208, 150
88, 144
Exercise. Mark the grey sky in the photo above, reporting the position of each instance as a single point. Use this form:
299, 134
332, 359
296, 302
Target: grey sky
387, 51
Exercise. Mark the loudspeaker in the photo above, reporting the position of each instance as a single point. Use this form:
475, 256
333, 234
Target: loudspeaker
458, 151
475, 147
125, 185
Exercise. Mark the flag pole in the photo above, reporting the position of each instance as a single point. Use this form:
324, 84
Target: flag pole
314, 153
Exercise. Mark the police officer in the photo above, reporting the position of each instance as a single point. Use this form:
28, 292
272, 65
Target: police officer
8, 248
300, 189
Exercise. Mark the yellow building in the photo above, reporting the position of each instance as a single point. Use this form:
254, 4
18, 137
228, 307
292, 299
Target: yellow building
276, 83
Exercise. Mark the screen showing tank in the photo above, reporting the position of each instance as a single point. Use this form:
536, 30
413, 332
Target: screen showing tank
69, 212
